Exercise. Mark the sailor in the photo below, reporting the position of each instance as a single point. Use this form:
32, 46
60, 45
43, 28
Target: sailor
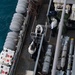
53, 26
51, 14
68, 7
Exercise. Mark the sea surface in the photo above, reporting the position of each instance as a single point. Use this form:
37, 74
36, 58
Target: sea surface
7, 9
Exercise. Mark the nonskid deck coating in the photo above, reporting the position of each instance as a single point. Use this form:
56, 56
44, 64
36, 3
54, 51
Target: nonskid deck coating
25, 62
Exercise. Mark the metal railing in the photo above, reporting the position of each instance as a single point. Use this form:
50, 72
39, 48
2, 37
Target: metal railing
20, 45
58, 40
39, 51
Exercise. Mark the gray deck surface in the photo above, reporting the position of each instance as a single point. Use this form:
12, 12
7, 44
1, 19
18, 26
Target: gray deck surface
25, 63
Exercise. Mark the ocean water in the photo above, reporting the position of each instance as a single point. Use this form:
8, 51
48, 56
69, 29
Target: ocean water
7, 9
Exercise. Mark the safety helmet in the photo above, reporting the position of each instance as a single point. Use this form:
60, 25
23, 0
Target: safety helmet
52, 13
